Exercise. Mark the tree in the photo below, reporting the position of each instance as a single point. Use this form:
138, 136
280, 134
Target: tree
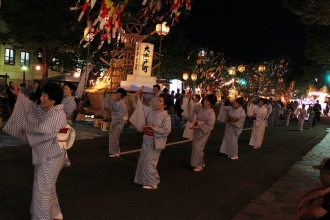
311, 12
41, 26
318, 44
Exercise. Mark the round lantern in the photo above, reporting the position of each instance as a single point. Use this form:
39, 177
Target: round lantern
241, 68
261, 68
193, 76
232, 71
185, 76
280, 80
162, 29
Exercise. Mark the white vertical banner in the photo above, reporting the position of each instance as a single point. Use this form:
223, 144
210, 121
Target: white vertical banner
143, 59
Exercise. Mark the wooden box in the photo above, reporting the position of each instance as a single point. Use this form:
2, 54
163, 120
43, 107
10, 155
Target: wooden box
105, 125
97, 122
80, 117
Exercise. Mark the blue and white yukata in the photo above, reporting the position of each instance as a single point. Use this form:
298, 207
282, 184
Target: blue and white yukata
39, 127
152, 145
205, 119
70, 106
118, 119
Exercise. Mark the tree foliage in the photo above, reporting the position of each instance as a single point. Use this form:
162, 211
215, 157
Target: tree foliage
41, 26
318, 44
310, 11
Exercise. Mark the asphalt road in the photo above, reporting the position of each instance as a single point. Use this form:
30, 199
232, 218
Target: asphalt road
97, 187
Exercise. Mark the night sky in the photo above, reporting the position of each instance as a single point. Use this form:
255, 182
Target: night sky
247, 30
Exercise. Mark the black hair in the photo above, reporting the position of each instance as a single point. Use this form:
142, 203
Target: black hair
165, 90
211, 98
71, 85
122, 92
157, 86
37, 81
53, 91
239, 100
198, 96
263, 100
167, 100
95, 70
183, 92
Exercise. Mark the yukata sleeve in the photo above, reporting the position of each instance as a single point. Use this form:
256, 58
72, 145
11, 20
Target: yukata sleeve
165, 128
138, 118
241, 119
70, 109
208, 124
192, 110
223, 113
17, 122
261, 115
107, 103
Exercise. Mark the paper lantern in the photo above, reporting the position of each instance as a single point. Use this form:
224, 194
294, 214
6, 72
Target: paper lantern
162, 29
232, 71
185, 76
241, 68
261, 68
193, 76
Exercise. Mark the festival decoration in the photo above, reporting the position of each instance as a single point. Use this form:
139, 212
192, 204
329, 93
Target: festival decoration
193, 76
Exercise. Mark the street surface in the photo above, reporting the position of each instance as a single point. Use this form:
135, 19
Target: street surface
102, 188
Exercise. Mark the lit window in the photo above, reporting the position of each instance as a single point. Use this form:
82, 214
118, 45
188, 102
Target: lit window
9, 56
25, 59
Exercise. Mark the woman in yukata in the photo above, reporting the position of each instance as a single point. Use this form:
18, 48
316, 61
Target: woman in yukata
189, 133
205, 119
258, 113
70, 105
156, 124
39, 125
234, 126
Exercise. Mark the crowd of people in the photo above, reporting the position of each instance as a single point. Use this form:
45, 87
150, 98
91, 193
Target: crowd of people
38, 119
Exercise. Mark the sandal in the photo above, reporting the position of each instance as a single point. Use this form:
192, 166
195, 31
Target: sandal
198, 169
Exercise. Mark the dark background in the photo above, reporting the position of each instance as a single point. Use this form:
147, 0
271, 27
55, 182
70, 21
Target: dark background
250, 31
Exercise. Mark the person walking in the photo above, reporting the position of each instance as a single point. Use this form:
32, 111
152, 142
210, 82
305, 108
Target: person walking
69, 105
189, 133
118, 110
317, 109
258, 114
156, 124
39, 125
205, 119
311, 115
234, 126
302, 113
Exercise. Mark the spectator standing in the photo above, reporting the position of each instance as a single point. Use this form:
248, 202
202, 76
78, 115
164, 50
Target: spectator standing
317, 109
302, 113
36, 92
11, 98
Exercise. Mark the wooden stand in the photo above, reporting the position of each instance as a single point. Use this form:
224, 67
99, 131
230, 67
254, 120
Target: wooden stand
97, 122
80, 117
105, 125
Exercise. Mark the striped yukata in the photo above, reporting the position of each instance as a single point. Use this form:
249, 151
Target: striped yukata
70, 106
118, 116
39, 127
205, 119
229, 145
146, 171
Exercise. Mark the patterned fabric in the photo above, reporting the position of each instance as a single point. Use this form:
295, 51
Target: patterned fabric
146, 171
69, 106
207, 120
118, 115
229, 145
44, 197
38, 126
259, 125
153, 101
189, 133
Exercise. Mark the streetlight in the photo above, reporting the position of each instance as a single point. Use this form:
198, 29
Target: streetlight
23, 68
162, 30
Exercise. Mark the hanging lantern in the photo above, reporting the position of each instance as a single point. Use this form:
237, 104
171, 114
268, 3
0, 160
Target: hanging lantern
162, 29
193, 76
261, 68
88, 33
232, 70
241, 68
280, 80
185, 76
